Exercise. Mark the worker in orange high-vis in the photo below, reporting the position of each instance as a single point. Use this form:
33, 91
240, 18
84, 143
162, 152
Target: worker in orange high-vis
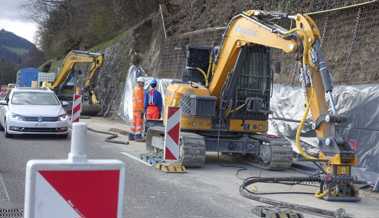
153, 102
138, 110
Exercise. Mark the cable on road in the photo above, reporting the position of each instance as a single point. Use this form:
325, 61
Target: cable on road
110, 138
297, 207
253, 195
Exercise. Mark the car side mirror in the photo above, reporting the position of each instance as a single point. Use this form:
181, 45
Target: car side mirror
3, 102
65, 103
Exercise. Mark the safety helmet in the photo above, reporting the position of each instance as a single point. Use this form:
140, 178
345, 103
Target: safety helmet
140, 80
153, 82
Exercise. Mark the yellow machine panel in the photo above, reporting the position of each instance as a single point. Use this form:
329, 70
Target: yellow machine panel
174, 95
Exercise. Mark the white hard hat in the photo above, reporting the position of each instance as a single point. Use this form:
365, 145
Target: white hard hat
140, 79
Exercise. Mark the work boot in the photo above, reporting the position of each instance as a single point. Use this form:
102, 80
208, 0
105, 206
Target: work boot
131, 137
139, 138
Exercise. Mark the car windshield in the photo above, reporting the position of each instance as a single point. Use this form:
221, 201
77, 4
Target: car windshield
34, 98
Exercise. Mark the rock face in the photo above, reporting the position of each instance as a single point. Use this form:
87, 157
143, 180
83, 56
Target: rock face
348, 36
143, 39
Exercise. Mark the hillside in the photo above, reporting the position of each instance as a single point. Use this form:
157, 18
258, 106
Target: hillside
16, 52
348, 33
13, 47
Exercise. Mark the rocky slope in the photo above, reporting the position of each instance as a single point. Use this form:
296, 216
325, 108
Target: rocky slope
349, 41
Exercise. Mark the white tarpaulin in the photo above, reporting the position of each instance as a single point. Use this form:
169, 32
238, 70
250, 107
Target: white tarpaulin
358, 103
126, 108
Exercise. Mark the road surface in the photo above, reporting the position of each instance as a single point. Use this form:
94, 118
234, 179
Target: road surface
149, 193
210, 192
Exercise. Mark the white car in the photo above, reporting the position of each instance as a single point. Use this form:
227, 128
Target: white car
33, 111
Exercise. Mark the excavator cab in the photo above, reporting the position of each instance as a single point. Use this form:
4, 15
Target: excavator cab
246, 93
197, 65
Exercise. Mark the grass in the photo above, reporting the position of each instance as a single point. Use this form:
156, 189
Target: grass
110, 42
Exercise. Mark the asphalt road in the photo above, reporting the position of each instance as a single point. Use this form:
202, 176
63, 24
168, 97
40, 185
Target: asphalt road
209, 192
149, 193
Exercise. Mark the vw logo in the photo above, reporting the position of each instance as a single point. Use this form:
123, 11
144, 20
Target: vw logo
39, 119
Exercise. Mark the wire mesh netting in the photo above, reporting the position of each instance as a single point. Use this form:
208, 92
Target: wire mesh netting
348, 40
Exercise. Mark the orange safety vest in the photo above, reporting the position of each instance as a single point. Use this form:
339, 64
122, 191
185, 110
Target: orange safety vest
138, 98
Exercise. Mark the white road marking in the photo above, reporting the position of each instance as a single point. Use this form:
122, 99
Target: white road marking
2, 183
136, 158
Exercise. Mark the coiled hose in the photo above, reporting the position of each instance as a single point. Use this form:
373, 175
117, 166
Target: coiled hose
110, 138
245, 192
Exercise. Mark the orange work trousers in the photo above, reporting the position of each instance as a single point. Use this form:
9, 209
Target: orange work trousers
153, 113
137, 123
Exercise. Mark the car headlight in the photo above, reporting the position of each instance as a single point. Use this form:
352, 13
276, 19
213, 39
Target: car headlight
16, 116
62, 117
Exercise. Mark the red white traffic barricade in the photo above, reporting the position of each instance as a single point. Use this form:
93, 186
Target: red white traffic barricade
76, 187
172, 134
76, 108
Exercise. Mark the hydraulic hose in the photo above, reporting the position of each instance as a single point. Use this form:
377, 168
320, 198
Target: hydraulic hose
110, 138
298, 134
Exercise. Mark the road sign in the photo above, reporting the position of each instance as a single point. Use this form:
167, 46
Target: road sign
76, 108
172, 134
76, 187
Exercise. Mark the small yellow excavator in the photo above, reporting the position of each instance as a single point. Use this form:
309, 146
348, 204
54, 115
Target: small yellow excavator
225, 100
68, 78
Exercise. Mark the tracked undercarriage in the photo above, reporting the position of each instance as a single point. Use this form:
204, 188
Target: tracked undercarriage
272, 153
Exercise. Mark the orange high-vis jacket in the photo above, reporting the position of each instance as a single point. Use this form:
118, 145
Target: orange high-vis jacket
138, 98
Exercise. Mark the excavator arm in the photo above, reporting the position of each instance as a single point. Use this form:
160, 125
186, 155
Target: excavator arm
242, 30
74, 57
256, 27
95, 60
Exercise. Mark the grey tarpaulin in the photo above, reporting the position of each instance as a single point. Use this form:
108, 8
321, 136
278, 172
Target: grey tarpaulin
126, 109
358, 103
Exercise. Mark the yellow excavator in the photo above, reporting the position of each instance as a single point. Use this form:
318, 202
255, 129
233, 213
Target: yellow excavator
70, 80
225, 100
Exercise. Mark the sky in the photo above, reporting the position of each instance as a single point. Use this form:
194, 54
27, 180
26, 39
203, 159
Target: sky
13, 18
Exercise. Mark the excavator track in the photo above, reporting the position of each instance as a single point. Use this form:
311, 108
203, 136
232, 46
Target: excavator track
193, 150
275, 153
192, 146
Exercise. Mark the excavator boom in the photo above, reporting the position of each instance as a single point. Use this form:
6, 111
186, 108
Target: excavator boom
74, 57
257, 28
96, 60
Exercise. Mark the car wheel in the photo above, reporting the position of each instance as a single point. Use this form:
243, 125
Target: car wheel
7, 135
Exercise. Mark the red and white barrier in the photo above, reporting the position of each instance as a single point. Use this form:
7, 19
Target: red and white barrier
75, 187
172, 134
76, 108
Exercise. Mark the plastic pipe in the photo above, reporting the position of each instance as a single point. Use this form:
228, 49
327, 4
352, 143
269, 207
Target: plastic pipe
79, 143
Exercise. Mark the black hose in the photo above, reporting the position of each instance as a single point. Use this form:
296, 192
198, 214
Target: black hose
307, 209
257, 196
110, 138
279, 180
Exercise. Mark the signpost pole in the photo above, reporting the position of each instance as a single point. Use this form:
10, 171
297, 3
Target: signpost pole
75, 187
